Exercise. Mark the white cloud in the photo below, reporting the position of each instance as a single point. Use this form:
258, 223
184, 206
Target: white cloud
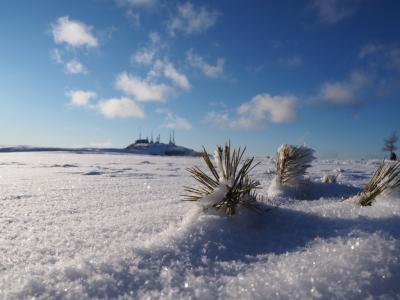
175, 122
190, 19
81, 98
120, 108
333, 11
75, 67
73, 33
140, 89
137, 3
260, 110
178, 78
198, 62
110, 108
276, 109
346, 92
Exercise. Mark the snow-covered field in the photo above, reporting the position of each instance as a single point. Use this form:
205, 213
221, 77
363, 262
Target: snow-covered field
79, 226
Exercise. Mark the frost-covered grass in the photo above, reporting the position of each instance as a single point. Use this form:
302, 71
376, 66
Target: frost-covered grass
106, 226
230, 186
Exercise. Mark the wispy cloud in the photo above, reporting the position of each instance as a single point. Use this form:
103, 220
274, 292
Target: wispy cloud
178, 78
137, 3
56, 56
221, 119
173, 121
74, 66
134, 17
133, 7
259, 111
198, 62
190, 19
381, 55
383, 62
294, 61
377, 74
142, 89
120, 108
144, 56
334, 11
147, 55
159, 68
344, 93
73, 33
371, 49
220, 104
80, 97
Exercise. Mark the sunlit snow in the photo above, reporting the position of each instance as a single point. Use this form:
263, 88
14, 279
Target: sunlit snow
79, 226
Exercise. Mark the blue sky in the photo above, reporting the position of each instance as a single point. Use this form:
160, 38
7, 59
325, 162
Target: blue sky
325, 73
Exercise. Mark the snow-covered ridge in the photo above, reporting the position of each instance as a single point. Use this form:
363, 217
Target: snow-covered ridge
169, 149
150, 149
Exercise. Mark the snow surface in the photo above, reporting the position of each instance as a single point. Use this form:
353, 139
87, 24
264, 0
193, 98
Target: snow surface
76, 226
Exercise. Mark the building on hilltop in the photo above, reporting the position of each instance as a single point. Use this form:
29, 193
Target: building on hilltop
146, 146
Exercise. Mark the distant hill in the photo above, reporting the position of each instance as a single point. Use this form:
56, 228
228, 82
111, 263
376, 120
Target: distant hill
135, 148
146, 147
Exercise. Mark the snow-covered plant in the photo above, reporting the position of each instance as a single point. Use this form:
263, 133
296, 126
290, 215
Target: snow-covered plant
329, 178
229, 185
292, 163
385, 178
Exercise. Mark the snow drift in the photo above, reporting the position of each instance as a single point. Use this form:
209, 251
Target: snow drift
124, 233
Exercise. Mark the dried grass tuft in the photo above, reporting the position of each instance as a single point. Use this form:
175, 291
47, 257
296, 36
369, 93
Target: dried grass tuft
385, 179
292, 163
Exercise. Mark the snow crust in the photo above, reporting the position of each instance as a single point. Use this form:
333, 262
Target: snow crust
79, 226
